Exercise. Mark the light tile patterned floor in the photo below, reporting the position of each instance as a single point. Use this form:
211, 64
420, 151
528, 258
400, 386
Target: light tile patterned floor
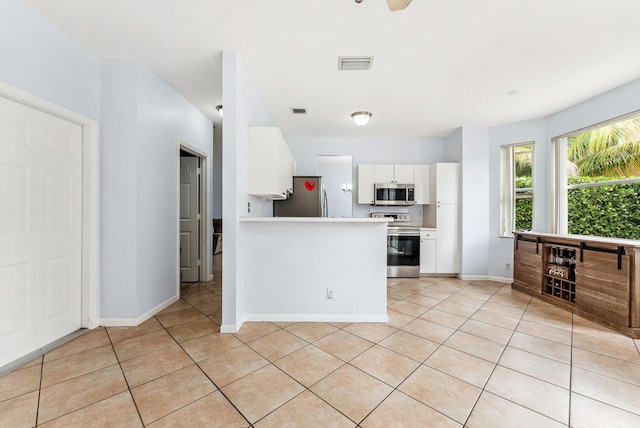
454, 353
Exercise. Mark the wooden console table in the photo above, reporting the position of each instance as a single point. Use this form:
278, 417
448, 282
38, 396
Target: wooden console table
596, 278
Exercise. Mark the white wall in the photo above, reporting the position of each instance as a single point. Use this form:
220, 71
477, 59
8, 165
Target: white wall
119, 190
616, 102
453, 146
407, 151
243, 107
292, 264
163, 118
474, 202
141, 118
38, 58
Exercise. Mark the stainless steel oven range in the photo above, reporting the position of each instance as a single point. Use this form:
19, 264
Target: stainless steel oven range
403, 246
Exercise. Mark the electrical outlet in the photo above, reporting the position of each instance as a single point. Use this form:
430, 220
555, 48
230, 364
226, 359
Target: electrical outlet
507, 266
248, 207
329, 294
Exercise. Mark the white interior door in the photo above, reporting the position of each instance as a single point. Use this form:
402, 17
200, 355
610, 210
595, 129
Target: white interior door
189, 219
40, 229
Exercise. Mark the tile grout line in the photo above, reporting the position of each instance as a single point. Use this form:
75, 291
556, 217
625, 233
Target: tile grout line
76, 377
200, 368
396, 388
443, 344
135, 404
494, 369
39, 388
571, 369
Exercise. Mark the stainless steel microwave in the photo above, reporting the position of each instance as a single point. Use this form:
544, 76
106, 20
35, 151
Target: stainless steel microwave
394, 194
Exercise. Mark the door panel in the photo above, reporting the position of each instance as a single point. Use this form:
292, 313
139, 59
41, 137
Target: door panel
529, 272
447, 241
189, 208
602, 288
40, 229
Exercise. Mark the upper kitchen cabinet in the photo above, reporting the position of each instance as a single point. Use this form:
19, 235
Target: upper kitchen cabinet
369, 175
401, 174
421, 180
271, 164
366, 181
444, 183
404, 174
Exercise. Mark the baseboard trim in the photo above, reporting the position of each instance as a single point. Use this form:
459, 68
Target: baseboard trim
232, 328
132, 322
485, 278
315, 318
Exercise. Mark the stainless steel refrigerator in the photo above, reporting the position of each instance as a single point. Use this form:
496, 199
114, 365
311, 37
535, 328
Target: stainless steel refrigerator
308, 199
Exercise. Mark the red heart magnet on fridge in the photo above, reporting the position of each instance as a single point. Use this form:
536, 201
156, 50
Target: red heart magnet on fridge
310, 185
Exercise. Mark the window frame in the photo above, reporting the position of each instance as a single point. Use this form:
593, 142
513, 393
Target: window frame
508, 192
560, 193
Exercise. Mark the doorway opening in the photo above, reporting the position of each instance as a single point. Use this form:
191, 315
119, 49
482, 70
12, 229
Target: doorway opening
193, 230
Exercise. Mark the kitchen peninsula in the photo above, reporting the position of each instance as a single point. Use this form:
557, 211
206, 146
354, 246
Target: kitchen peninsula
315, 269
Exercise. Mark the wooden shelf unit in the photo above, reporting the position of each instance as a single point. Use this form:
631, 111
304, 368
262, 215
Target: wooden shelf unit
559, 272
601, 285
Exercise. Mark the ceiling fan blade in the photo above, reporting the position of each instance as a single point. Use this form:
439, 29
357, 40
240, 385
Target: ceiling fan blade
397, 4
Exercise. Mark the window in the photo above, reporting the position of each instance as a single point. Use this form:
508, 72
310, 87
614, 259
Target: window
516, 188
597, 180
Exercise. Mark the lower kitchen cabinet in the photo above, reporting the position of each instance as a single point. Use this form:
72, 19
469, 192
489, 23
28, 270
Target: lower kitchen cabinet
595, 278
428, 251
444, 220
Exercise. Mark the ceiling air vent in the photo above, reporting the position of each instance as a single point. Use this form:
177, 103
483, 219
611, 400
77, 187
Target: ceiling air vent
355, 62
298, 110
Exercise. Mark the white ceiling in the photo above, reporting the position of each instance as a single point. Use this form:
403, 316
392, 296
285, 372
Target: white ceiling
438, 64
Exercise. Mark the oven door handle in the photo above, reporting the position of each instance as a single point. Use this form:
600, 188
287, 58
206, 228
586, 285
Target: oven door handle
409, 234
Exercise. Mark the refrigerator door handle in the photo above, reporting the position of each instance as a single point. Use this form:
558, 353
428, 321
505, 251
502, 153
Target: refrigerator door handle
325, 205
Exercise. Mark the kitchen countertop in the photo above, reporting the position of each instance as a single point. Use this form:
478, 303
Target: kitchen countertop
313, 220
615, 241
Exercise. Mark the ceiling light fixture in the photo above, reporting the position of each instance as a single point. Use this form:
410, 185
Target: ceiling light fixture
361, 118
219, 108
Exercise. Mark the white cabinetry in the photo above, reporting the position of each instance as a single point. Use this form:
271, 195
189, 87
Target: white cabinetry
401, 174
271, 164
369, 175
428, 250
442, 214
421, 180
383, 173
444, 182
366, 180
